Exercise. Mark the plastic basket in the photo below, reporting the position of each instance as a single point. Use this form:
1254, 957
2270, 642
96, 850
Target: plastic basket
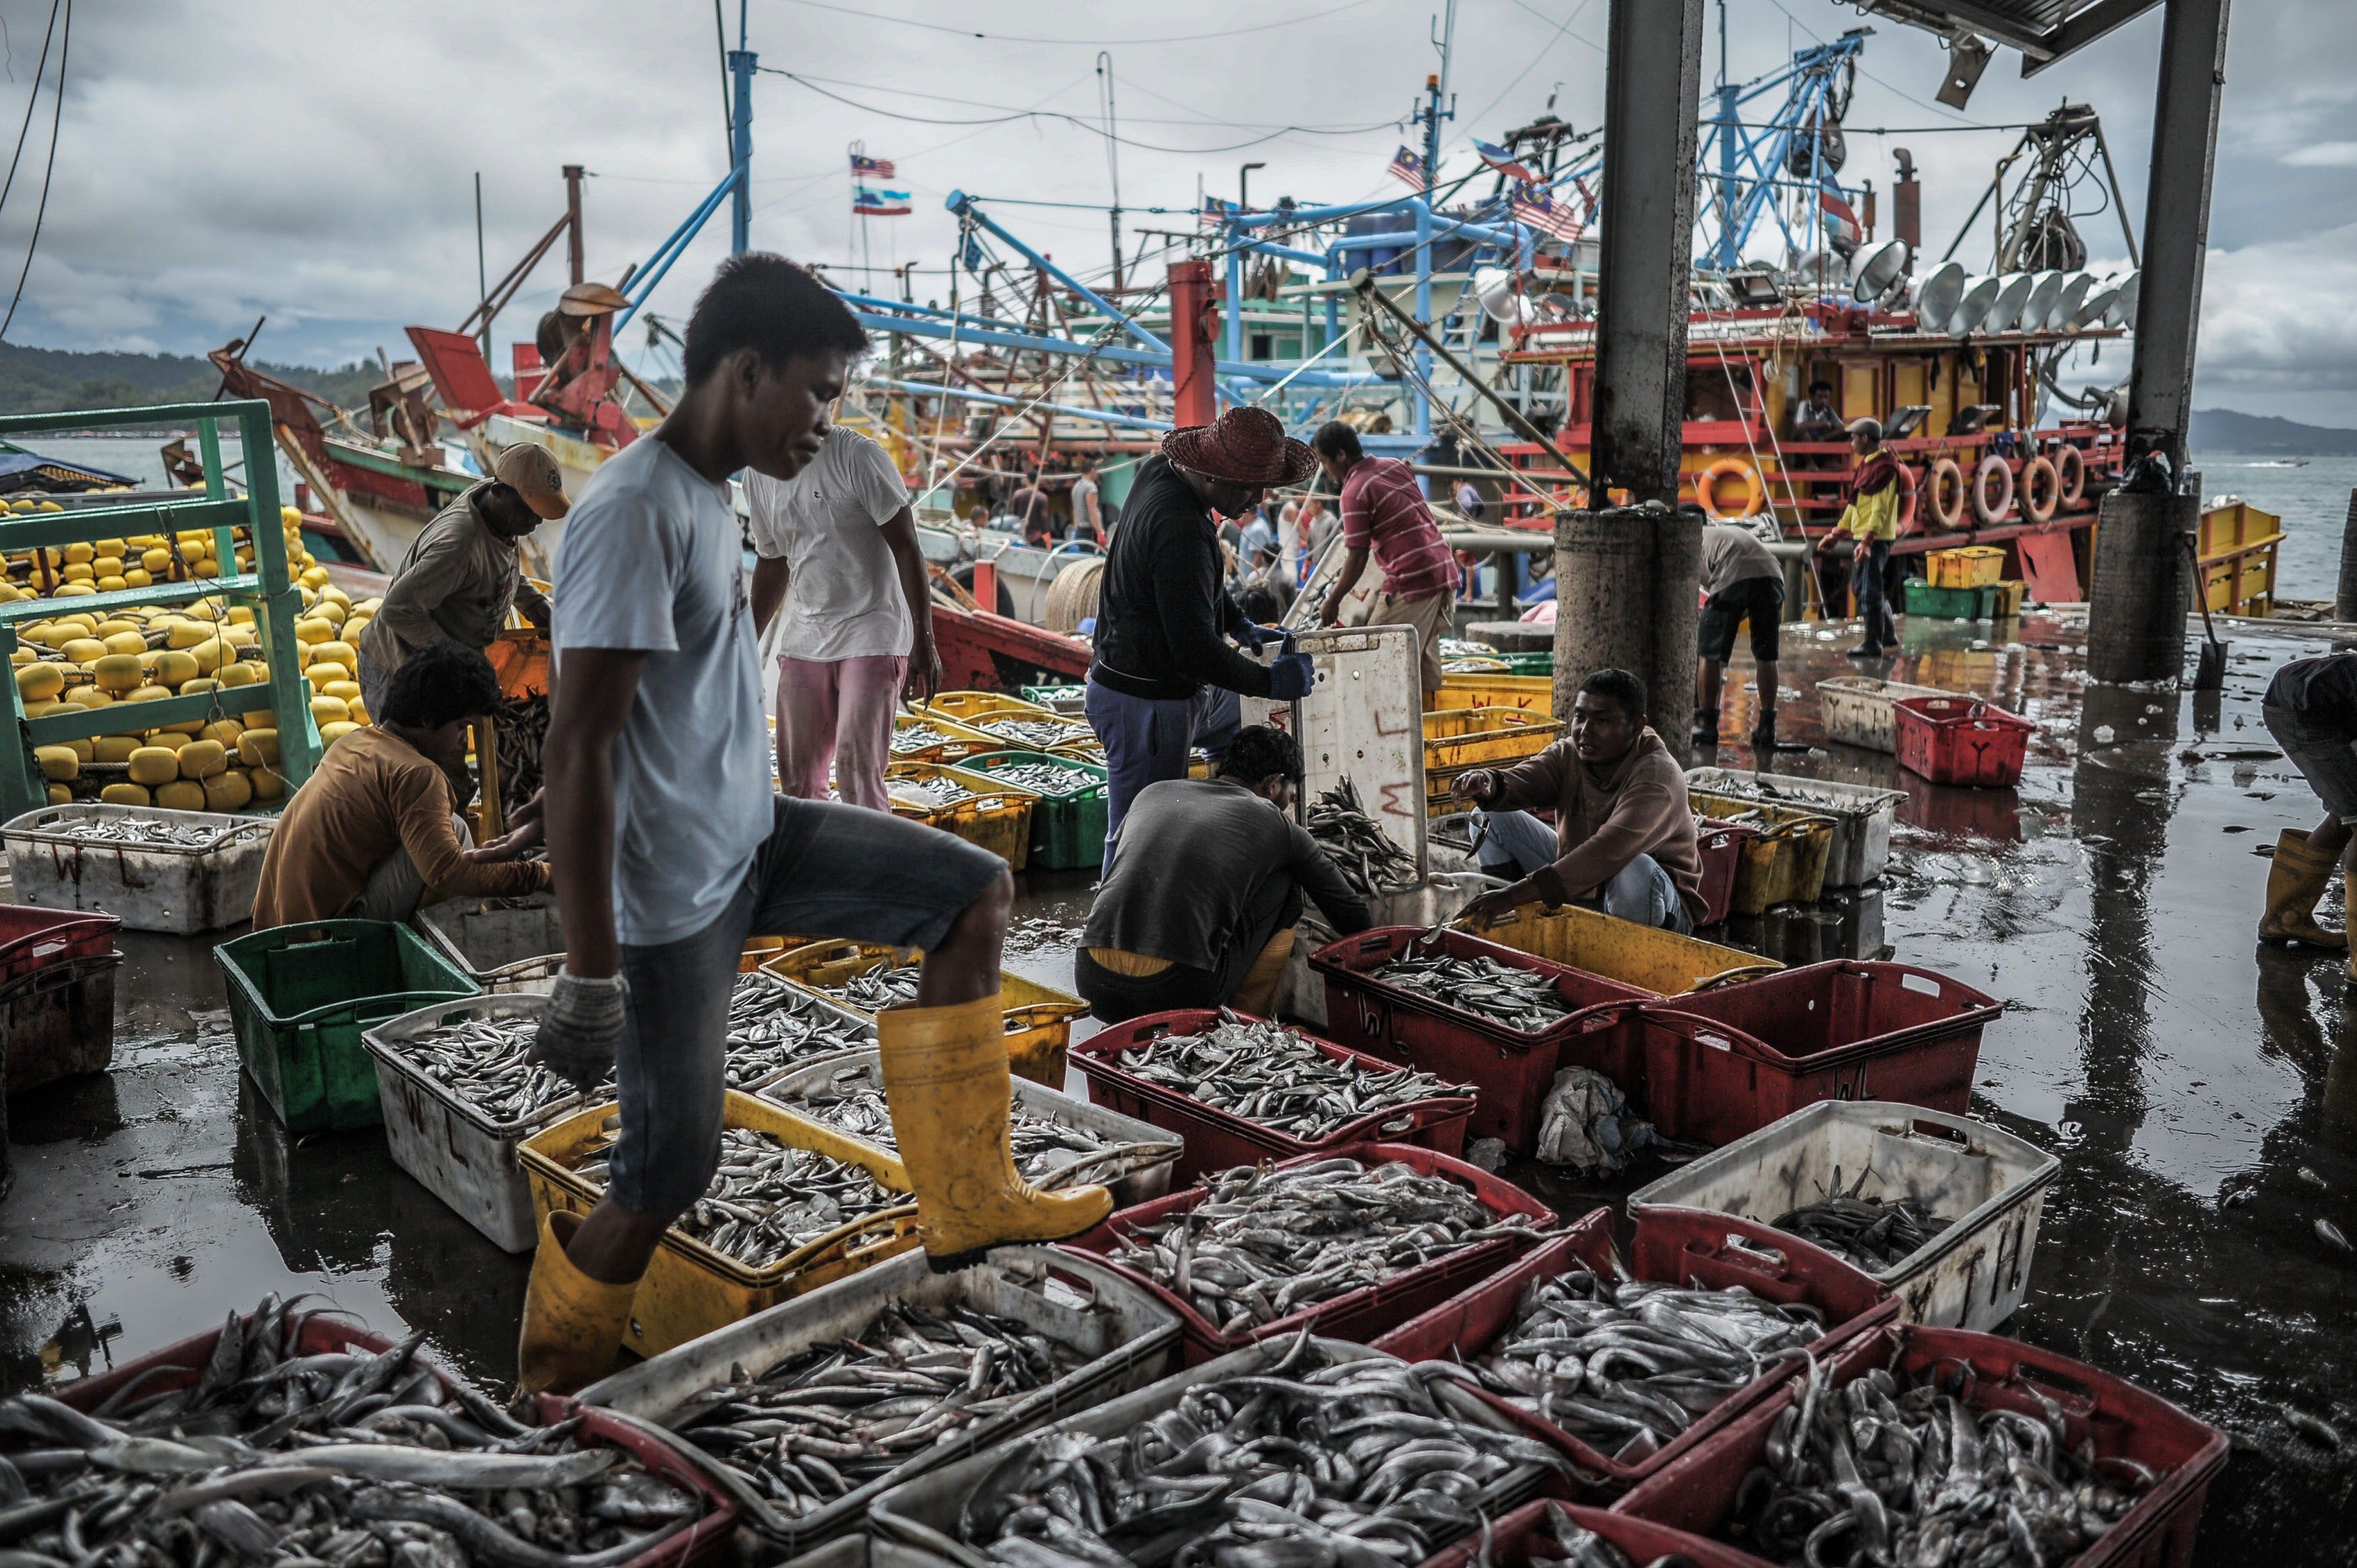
1530, 663
1039, 1017
2007, 597
1721, 847
485, 938
997, 817
965, 707
1857, 709
1062, 701
185, 888
1784, 860
2123, 1422
1217, 1140
1510, 1068
1068, 830
1661, 962
58, 1021
1532, 694
1945, 603
689, 1290
32, 938
1967, 566
301, 996
1076, 732
1481, 736
1123, 1332
1962, 741
1863, 815
1707, 1251
1991, 1184
1526, 1536
948, 740
1724, 1063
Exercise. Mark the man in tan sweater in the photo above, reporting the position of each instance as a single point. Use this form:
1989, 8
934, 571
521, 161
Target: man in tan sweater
375, 831
1624, 834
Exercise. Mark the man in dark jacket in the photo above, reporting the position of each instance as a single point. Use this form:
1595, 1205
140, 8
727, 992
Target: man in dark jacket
1205, 885
1164, 613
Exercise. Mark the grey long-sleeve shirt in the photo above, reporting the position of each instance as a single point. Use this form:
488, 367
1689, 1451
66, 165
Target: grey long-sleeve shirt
457, 584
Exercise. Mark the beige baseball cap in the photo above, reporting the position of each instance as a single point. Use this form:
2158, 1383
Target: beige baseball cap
532, 471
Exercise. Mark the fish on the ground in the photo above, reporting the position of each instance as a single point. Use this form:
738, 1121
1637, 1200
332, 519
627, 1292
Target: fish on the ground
1265, 1242
1264, 1072
1369, 859
767, 1197
1047, 1152
1314, 1461
1522, 999
1873, 1233
487, 1062
335, 1459
773, 1025
1040, 934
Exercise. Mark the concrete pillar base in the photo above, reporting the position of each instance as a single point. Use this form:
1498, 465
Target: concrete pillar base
1625, 600
2143, 587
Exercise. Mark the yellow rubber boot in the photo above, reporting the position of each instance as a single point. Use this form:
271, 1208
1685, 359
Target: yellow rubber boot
1260, 982
947, 1082
571, 1324
2296, 880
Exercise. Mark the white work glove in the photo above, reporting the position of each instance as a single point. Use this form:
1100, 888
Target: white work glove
581, 1028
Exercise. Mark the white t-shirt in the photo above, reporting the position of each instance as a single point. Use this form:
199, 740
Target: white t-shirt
843, 599
651, 561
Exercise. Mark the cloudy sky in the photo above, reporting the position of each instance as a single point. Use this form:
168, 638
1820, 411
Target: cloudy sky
315, 163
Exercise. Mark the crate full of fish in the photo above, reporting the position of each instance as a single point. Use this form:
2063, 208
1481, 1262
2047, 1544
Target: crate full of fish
1239, 1089
1784, 860
817, 1406
774, 1027
968, 707
793, 1206
988, 813
1068, 819
1651, 960
1625, 1368
156, 870
1550, 1534
1347, 1244
1919, 1444
929, 737
367, 1453
1725, 1062
1314, 1464
488, 939
868, 979
1058, 1141
1474, 1012
1863, 814
1943, 1211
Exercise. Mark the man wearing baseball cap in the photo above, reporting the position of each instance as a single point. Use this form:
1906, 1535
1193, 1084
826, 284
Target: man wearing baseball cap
459, 578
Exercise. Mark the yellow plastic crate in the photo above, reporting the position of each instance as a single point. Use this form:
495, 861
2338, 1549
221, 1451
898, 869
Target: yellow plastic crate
1532, 694
2009, 597
949, 742
689, 1289
1467, 737
1967, 566
1650, 959
1786, 863
998, 820
761, 950
1039, 1017
965, 707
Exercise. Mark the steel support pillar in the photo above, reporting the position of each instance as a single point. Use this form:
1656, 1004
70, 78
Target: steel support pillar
1628, 603
1195, 387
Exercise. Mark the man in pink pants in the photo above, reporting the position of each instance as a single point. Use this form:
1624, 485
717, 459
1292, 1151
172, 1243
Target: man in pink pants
838, 552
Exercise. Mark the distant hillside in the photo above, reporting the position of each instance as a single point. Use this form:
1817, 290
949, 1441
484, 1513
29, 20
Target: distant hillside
50, 380
2223, 430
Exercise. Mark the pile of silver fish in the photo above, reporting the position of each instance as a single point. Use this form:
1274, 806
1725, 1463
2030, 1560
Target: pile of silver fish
1311, 1462
341, 1459
137, 832
821, 1424
930, 794
1625, 1366
1040, 932
767, 1197
1265, 1242
1047, 1153
1580, 1547
1521, 999
917, 737
487, 1062
523, 730
1049, 778
887, 982
772, 1027
1869, 1233
1369, 859
1037, 734
1881, 1472
1264, 1072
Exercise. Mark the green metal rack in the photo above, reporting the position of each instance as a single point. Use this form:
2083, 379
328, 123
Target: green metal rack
269, 590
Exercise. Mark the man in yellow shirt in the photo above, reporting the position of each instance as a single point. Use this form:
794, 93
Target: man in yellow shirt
1869, 522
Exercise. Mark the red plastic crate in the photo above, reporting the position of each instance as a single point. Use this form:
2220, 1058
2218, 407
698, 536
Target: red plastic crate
1960, 740
1355, 1315
32, 937
1216, 1140
1714, 1250
1722, 1063
1697, 1493
1513, 1541
1510, 1068
1721, 847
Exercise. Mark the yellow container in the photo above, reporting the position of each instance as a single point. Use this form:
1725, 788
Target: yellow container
1531, 693
928, 737
2010, 596
1786, 863
1968, 566
1039, 1017
758, 951
1461, 738
1663, 962
689, 1289
965, 707
998, 820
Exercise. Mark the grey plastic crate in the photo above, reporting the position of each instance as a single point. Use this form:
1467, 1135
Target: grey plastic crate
185, 888
1862, 815
1858, 709
487, 936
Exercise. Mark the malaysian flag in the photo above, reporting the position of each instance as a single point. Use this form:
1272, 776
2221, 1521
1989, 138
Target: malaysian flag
864, 167
1215, 212
1409, 170
1505, 162
1534, 205
868, 201
1841, 218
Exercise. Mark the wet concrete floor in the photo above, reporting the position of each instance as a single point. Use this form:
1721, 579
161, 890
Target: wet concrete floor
2201, 1091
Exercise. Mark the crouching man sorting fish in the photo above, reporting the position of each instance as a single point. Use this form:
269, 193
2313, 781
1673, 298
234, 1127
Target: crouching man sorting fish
670, 848
1623, 838
2311, 710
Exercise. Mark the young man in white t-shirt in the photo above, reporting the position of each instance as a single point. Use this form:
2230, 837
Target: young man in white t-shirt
838, 551
670, 848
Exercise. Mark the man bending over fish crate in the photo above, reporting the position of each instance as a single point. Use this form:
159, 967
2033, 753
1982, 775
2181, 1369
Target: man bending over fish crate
1204, 888
2311, 710
671, 849
1623, 838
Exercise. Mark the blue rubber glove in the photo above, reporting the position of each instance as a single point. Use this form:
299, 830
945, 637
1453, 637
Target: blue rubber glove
1290, 676
1256, 636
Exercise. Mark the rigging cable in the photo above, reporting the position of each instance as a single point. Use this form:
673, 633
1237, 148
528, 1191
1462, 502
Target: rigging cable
31, 99
57, 115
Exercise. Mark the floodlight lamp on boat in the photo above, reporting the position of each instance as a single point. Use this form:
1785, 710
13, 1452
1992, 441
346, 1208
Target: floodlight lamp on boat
1495, 287
1875, 268
2097, 305
2013, 293
1753, 288
2123, 309
1973, 308
2064, 316
1942, 290
1814, 273
2045, 289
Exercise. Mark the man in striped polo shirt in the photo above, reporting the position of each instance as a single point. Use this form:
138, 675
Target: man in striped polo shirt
1383, 510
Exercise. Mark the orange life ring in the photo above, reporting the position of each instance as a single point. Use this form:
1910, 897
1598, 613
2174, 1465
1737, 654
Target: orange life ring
1989, 507
1943, 490
2042, 489
2071, 468
1909, 482
1705, 484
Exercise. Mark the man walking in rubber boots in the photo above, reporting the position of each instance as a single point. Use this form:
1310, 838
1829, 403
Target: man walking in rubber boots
670, 848
2311, 710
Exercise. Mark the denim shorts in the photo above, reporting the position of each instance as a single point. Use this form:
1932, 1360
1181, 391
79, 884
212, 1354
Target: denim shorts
2324, 757
826, 870
1760, 598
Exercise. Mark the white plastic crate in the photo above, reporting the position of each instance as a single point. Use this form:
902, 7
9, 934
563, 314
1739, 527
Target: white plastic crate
487, 936
1858, 709
1990, 1183
1862, 815
185, 888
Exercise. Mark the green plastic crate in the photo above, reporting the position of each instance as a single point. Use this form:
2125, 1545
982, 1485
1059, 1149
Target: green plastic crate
1063, 698
1950, 603
1067, 831
1541, 663
299, 998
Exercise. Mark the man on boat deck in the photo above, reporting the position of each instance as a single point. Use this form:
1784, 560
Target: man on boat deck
1817, 419
1869, 524
670, 849
2311, 710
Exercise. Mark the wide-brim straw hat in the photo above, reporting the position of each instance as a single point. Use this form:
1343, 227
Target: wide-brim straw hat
1243, 447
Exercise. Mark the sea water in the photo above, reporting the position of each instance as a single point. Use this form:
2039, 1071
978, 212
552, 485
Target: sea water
2312, 501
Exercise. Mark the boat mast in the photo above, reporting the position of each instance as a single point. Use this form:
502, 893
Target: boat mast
741, 63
